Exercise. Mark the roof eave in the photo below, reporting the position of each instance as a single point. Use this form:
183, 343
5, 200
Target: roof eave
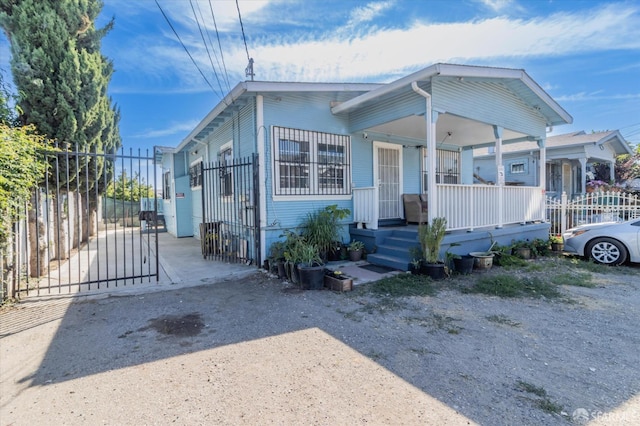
230, 98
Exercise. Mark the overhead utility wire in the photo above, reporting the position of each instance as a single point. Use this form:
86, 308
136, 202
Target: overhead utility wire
243, 36
206, 46
226, 74
185, 47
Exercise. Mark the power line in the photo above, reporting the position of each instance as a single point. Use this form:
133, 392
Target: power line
249, 70
206, 46
242, 28
215, 25
184, 47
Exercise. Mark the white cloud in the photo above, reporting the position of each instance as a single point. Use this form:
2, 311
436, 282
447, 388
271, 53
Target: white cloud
369, 12
168, 131
596, 96
380, 54
497, 5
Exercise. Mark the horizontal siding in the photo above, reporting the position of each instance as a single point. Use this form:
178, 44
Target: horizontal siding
400, 106
300, 111
487, 102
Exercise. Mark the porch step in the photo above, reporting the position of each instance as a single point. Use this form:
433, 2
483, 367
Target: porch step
388, 261
394, 250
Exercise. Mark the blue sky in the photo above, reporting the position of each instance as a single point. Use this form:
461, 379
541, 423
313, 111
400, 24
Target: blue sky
585, 54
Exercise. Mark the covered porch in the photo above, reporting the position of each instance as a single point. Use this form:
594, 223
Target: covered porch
422, 131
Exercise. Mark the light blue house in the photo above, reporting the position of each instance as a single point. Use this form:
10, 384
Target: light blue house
570, 158
270, 152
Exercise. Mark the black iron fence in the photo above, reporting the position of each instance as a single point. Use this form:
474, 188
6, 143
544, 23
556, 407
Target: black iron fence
230, 215
73, 238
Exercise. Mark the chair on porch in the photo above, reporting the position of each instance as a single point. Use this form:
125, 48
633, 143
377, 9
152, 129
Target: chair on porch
415, 208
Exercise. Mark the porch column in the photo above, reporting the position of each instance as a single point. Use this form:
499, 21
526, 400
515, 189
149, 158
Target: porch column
583, 175
612, 171
432, 190
497, 132
542, 168
431, 118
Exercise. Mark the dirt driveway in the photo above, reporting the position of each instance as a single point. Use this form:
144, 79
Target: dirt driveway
259, 351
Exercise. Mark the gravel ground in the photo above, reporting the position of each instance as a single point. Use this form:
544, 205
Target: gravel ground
261, 351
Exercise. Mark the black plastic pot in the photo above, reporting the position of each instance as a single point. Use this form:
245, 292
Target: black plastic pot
435, 271
464, 265
311, 277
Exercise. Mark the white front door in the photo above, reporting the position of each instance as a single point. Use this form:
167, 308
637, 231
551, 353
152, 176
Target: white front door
387, 173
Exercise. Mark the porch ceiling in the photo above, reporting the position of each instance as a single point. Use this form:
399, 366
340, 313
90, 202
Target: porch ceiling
450, 130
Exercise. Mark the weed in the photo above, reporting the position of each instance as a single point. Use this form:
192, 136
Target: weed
549, 406
544, 403
529, 388
501, 319
436, 322
579, 279
402, 285
514, 286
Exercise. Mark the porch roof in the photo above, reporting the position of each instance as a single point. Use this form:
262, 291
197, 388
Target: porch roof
517, 80
579, 140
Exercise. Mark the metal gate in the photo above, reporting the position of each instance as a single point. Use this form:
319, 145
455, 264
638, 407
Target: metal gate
85, 229
230, 215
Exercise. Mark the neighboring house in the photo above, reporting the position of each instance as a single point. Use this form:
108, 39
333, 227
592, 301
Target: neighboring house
569, 159
270, 152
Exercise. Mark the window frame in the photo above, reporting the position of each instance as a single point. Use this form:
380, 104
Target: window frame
228, 171
166, 185
195, 174
518, 165
315, 164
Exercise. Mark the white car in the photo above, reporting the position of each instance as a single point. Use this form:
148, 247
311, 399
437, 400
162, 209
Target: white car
607, 243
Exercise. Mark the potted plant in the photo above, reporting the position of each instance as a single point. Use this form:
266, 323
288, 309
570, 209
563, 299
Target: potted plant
337, 281
557, 243
522, 249
458, 263
275, 260
355, 250
322, 228
431, 236
484, 259
415, 266
292, 255
310, 268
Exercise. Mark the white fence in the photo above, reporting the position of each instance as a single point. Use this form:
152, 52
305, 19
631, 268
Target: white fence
465, 206
594, 207
474, 206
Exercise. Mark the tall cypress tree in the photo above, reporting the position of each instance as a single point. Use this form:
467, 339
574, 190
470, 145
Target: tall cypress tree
62, 77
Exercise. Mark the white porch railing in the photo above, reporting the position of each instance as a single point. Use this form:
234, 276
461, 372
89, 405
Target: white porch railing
595, 207
465, 206
365, 207
472, 206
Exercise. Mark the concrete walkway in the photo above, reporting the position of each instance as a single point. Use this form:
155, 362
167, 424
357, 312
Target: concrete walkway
180, 260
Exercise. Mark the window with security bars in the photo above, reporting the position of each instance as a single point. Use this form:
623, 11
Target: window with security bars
195, 175
310, 163
226, 171
447, 167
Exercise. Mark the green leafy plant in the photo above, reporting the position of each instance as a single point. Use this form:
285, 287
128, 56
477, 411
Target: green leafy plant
309, 254
431, 236
355, 245
322, 228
